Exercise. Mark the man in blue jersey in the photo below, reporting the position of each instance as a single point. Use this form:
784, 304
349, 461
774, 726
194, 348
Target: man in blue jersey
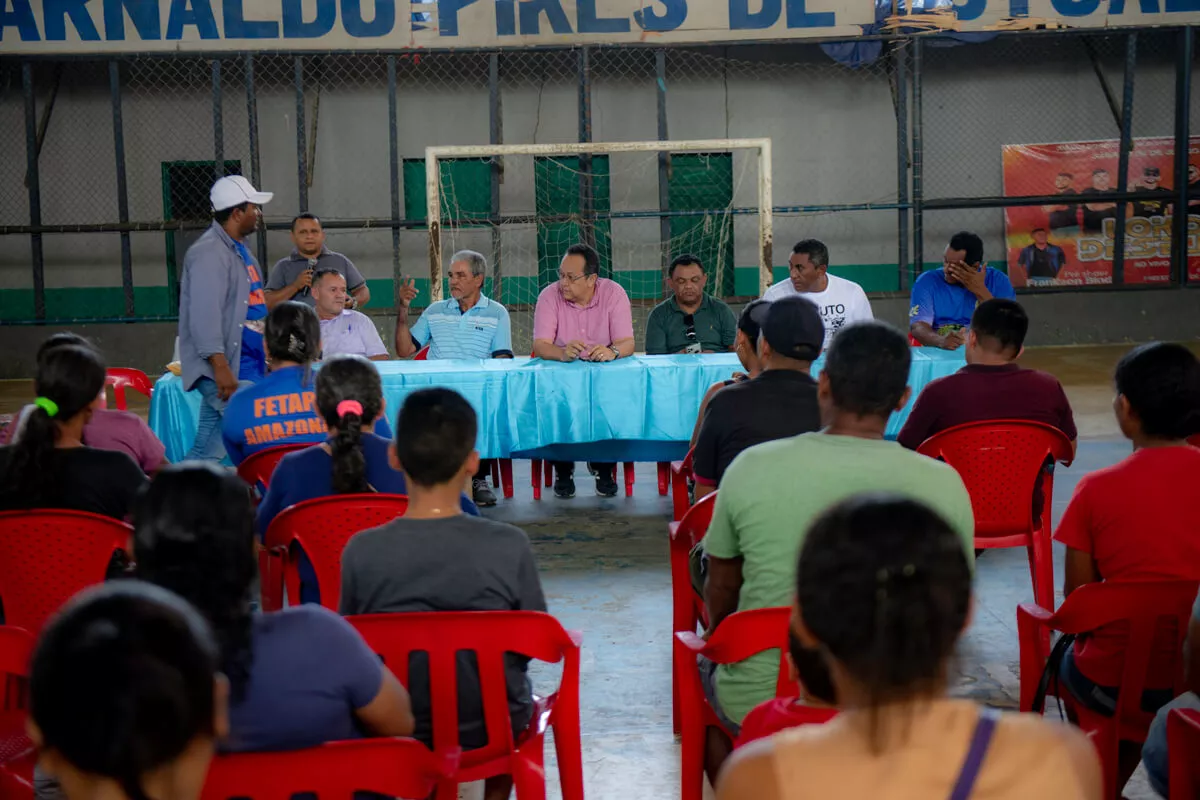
943, 300
467, 325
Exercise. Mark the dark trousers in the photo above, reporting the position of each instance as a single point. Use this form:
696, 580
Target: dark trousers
566, 469
485, 469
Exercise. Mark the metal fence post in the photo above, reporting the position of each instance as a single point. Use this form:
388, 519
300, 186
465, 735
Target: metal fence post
35, 192
255, 162
1118, 269
1183, 135
114, 89
587, 223
664, 160
918, 158
900, 55
394, 163
301, 146
218, 110
495, 136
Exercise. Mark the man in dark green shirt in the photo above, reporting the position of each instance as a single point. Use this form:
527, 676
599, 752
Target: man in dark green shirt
691, 321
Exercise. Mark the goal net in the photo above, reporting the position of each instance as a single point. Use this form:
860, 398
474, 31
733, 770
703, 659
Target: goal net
639, 204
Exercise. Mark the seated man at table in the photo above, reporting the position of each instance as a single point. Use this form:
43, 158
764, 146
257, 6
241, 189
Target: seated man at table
780, 402
467, 325
943, 300
344, 331
841, 302
691, 321
583, 317
771, 493
435, 558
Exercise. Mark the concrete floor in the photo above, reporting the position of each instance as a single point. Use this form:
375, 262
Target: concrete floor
604, 567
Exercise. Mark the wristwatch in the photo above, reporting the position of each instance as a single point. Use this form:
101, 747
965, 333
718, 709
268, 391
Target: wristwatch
616, 352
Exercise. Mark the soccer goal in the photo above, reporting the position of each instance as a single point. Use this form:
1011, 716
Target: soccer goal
639, 204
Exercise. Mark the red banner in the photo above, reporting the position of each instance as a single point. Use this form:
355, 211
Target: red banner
1071, 243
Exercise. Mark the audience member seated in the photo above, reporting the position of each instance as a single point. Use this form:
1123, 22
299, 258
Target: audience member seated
841, 302
944, 299
690, 321
883, 589
816, 704
349, 397
772, 492
1136, 520
780, 402
126, 699
344, 331
435, 558
1154, 751
282, 407
746, 347
297, 677
49, 466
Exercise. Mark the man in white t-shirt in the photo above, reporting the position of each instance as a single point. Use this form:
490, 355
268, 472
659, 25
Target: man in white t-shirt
841, 302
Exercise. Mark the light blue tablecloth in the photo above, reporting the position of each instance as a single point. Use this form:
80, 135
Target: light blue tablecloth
635, 409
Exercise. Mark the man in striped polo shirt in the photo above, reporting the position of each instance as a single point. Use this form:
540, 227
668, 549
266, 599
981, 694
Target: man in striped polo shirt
467, 325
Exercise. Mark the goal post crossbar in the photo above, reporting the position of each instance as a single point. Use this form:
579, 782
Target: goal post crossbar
437, 153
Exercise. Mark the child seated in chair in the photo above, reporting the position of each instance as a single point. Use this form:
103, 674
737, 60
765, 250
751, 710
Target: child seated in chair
816, 704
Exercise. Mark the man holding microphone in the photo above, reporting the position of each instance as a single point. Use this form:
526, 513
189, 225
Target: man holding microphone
291, 277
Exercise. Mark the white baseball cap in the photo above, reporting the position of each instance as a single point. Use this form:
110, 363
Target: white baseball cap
233, 190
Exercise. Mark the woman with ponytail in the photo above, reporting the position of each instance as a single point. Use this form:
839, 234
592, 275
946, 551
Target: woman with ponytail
49, 466
282, 408
352, 460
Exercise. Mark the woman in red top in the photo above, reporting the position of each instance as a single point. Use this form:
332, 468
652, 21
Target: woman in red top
1138, 519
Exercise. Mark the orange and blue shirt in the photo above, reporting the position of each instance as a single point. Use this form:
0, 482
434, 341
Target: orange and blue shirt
279, 409
254, 357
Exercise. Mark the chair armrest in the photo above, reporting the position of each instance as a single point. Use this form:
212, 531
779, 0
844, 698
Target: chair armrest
576, 638
1032, 620
691, 641
673, 530
676, 467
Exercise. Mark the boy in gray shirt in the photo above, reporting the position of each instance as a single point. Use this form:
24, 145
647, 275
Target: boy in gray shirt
435, 558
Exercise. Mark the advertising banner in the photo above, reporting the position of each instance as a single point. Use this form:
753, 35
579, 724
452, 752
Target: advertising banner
1071, 243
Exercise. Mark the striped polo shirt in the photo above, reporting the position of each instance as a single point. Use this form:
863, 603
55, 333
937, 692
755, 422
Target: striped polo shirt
482, 331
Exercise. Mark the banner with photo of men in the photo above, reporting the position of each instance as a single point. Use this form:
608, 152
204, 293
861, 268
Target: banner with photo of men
1071, 243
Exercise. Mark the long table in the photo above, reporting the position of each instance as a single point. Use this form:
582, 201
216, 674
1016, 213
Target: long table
635, 409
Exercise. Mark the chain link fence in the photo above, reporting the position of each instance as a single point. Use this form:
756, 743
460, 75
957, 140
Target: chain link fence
876, 160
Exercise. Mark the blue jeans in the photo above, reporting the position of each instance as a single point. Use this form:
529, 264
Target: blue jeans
209, 446
1103, 699
1154, 751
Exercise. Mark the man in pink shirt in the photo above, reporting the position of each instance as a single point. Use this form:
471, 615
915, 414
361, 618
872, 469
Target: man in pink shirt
583, 317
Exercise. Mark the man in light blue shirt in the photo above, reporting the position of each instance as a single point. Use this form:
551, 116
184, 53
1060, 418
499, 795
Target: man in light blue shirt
944, 300
467, 325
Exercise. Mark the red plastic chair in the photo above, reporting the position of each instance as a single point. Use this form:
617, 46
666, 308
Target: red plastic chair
738, 637
259, 467
681, 473
17, 754
490, 634
321, 527
48, 555
912, 341
1194, 441
122, 378
664, 478
1183, 750
687, 608
333, 771
1145, 609
422, 354
1001, 462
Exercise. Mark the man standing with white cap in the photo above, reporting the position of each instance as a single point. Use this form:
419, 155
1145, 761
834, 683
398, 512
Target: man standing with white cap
221, 309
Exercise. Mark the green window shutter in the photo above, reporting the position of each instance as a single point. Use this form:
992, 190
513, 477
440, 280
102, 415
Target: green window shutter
557, 189
466, 189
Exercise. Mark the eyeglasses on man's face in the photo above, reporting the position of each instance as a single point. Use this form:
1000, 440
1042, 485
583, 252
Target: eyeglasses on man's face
563, 276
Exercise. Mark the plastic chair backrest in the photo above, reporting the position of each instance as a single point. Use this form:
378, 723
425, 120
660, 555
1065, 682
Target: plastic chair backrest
422, 354
334, 771
747, 633
489, 634
259, 467
695, 522
16, 648
48, 555
322, 527
122, 378
1194, 441
1000, 461
1183, 750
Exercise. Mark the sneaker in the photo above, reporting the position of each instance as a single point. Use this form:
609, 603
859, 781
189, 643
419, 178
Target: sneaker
481, 493
606, 484
564, 487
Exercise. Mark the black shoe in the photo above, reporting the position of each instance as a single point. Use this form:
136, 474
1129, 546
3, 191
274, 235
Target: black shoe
606, 484
564, 487
481, 493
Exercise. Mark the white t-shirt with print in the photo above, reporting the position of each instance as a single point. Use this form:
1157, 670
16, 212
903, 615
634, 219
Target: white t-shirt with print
842, 303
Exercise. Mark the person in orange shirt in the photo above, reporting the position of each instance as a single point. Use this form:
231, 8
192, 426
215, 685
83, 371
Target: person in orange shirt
883, 590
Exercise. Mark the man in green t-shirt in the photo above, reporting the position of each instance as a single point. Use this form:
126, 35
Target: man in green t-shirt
772, 492
691, 321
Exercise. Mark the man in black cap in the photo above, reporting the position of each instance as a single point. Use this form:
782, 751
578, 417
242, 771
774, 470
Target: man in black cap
1151, 181
780, 402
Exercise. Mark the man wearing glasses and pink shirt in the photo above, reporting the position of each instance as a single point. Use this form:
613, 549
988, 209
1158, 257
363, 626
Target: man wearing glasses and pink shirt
587, 318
